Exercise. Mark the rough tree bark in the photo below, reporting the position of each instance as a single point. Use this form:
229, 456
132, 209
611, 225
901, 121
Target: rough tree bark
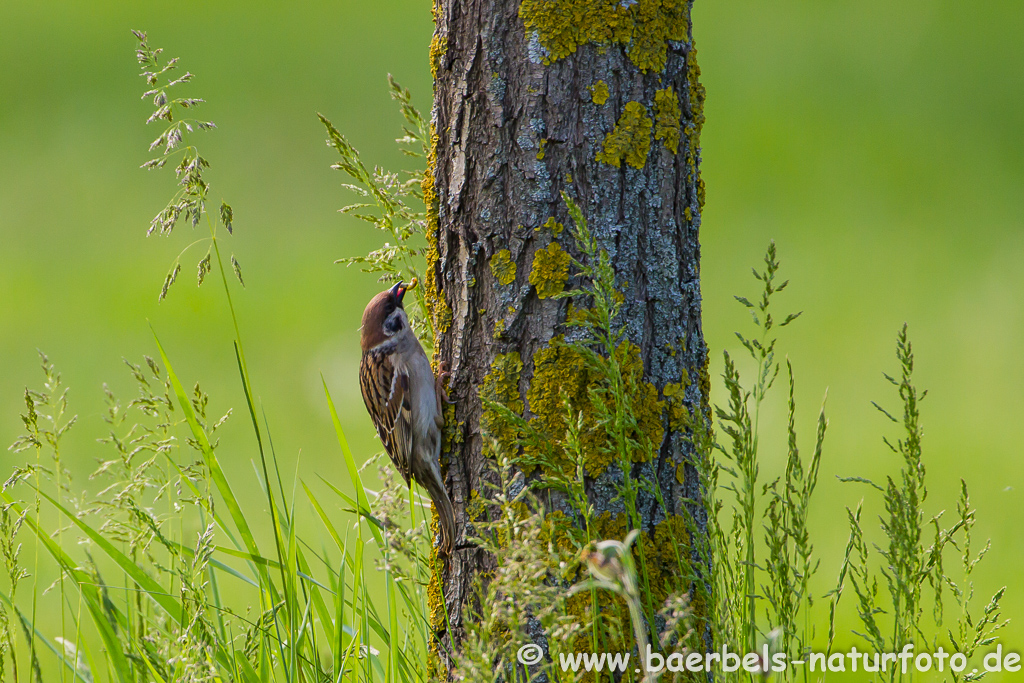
600, 99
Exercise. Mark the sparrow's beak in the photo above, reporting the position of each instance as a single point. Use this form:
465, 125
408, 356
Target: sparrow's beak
399, 291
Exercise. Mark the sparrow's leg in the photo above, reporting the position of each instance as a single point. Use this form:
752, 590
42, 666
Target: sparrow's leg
439, 382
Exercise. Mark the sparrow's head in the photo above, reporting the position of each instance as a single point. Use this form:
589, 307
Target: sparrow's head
384, 317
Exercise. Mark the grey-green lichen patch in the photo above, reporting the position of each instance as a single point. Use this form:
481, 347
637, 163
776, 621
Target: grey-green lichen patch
631, 139
496, 88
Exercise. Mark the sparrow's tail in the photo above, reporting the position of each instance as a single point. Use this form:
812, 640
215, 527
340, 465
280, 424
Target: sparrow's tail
445, 512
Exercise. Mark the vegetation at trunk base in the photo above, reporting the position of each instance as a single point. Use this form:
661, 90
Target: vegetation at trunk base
161, 575
764, 554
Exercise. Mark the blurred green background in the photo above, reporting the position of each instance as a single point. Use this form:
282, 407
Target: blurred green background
880, 144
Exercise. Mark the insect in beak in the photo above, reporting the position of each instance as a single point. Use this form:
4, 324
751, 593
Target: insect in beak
399, 291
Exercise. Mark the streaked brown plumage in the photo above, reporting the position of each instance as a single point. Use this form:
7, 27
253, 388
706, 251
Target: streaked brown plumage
404, 400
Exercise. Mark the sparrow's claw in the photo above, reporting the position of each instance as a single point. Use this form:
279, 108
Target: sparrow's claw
442, 378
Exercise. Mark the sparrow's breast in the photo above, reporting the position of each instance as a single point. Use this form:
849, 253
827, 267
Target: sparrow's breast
423, 396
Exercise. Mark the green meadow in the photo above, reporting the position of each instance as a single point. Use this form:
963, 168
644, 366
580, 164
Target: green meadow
880, 144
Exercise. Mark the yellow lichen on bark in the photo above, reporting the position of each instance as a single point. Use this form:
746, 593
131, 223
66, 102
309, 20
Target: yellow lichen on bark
435, 596
667, 117
551, 224
663, 555
643, 27
437, 307
678, 414
501, 386
503, 267
697, 95
438, 48
560, 374
631, 139
550, 270
452, 433
656, 22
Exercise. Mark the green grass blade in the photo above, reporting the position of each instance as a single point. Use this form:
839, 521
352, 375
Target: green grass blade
42, 638
117, 662
393, 622
324, 518
242, 665
350, 463
211, 458
375, 524
149, 586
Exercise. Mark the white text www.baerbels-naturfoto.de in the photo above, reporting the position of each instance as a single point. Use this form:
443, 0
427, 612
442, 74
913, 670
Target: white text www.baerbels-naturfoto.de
755, 662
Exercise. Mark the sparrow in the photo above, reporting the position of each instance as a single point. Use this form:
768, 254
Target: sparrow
404, 400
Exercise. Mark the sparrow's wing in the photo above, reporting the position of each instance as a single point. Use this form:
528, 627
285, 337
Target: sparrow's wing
386, 395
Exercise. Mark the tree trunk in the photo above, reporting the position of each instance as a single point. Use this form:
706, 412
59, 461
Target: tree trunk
599, 99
